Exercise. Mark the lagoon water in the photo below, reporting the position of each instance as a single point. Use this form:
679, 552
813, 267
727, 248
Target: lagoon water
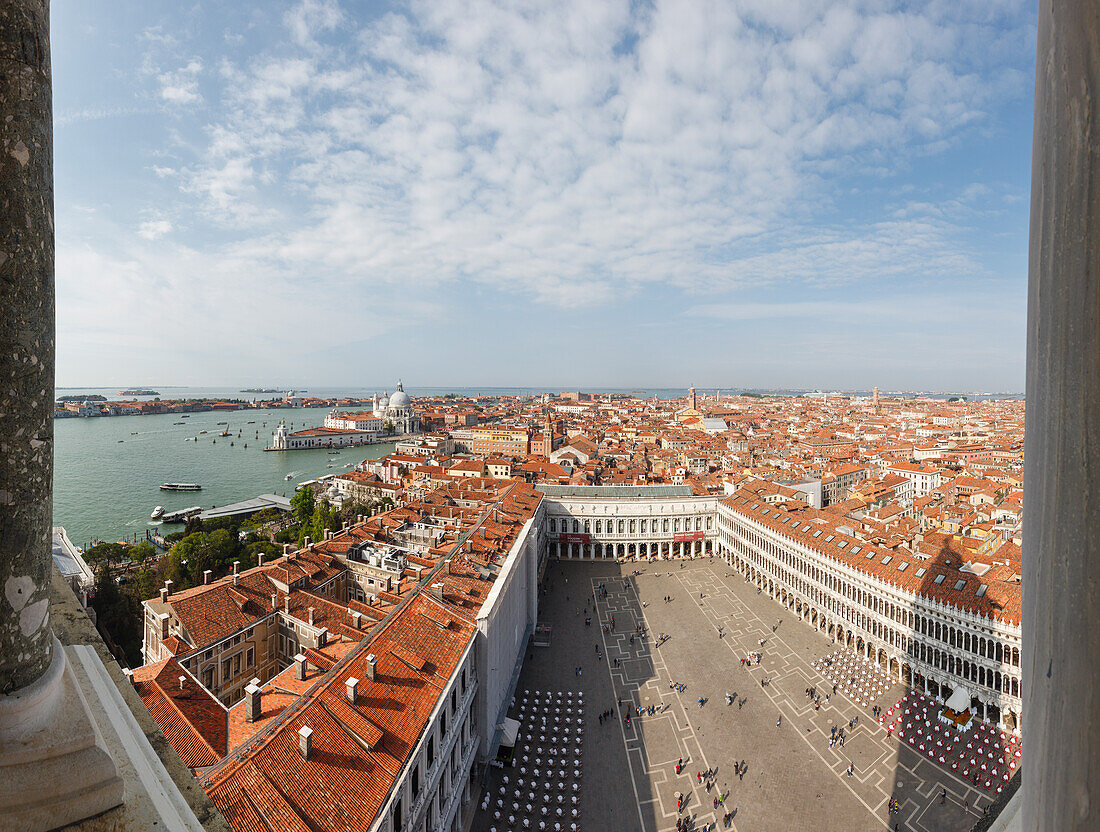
108, 470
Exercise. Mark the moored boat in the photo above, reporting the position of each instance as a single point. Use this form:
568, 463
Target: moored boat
158, 512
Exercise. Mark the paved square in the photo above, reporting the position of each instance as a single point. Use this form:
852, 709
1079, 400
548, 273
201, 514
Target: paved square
794, 779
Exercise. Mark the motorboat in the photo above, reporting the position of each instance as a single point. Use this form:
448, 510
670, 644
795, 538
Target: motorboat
158, 513
181, 486
289, 476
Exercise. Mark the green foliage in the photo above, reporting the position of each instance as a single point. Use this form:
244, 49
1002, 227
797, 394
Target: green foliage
118, 615
141, 551
301, 504
105, 553
325, 517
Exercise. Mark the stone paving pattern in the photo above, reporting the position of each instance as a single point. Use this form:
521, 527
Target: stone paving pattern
794, 779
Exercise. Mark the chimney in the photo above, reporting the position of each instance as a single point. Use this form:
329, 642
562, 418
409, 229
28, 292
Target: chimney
372, 665
357, 620
251, 703
286, 604
236, 567
307, 541
274, 601
260, 559
129, 674
286, 549
183, 680
206, 573
163, 625
164, 595
351, 686
437, 591
305, 741
300, 667
168, 585
310, 611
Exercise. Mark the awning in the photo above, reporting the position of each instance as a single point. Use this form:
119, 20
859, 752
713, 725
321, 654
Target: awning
511, 731
959, 701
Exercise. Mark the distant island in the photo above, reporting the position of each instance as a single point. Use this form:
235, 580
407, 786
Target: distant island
138, 393
261, 390
95, 397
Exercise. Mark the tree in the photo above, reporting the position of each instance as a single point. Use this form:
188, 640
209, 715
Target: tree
301, 504
105, 553
325, 517
387, 426
140, 551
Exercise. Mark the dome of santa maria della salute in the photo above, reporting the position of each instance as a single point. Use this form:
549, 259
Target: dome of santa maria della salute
400, 398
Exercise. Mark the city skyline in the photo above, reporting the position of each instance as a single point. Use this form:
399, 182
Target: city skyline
805, 197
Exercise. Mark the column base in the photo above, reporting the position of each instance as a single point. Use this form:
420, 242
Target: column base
54, 765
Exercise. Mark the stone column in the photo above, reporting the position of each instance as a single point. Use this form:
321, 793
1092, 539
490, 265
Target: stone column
1061, 603
26, 342
54, 766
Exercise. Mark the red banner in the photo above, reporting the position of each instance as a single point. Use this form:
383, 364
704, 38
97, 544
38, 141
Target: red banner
575, 538
687, 536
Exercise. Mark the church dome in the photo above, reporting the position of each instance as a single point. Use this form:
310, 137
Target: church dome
399, 398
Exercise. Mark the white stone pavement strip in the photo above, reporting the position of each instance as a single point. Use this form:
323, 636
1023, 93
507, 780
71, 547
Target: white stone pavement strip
670, 709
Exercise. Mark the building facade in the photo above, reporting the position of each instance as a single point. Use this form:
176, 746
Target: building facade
594, 522
932, 625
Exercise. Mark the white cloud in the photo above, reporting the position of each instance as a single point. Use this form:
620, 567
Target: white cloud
566, 155
154, 229
521, 148
181, 86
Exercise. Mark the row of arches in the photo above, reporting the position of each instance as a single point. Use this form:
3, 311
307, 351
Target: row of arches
597, 550
905, 656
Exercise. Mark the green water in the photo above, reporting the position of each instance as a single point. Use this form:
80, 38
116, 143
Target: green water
108, 470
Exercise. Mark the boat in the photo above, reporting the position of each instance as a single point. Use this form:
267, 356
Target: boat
133, 433
223, 423
179, 423
224, 432
181, 486
202, 431
289, 476
186, 416
181, 515
158, 512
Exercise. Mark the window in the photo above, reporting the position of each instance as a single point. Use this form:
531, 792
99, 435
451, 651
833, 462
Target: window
454, 701
431, 750
830, 538
416, 781
903, 566
886, 560
817, 533
960, 584
227, 667
921, 571
250, 657
939, 579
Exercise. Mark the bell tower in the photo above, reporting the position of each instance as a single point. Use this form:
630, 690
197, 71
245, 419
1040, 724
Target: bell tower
547, 437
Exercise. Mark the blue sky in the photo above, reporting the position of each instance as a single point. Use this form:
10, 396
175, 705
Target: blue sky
730, 194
